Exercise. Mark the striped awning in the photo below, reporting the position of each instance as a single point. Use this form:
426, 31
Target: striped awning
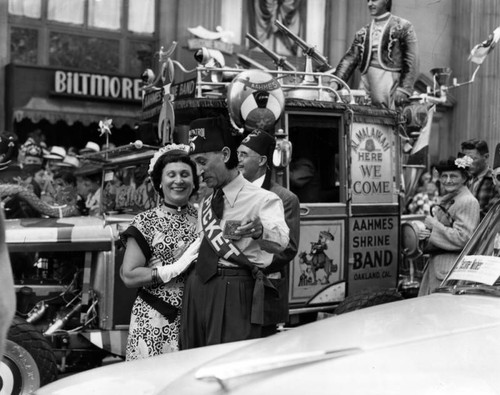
71, 111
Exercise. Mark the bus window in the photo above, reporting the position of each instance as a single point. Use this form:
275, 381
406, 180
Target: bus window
315, 174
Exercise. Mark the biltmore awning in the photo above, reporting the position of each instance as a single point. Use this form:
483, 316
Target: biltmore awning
71, 111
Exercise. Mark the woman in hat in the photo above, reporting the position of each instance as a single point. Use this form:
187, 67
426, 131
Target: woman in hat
155, 241
451, 223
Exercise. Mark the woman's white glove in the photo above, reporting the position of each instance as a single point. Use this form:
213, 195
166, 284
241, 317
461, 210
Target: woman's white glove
168, 272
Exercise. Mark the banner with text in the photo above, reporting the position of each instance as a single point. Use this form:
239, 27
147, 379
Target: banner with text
373, 164
373, 260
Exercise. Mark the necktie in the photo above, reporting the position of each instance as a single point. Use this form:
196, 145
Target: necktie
218, 203
206, 266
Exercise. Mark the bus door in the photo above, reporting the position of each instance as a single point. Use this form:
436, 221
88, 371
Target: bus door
317, 175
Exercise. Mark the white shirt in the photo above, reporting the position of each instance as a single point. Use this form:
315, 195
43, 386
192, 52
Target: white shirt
244, 200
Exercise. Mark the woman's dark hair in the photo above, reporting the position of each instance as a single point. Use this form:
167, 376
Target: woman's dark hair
172, 157
388, 5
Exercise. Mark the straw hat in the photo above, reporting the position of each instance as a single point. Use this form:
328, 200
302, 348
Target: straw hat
90, 147
56, 153
69, 161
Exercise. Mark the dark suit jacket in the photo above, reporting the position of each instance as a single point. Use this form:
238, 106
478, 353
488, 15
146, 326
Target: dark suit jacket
398, 52
278, 307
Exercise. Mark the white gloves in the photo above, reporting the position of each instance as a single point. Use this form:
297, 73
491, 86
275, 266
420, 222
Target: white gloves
168, 272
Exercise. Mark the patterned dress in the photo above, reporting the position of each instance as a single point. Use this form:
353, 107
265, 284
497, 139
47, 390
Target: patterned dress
163, 232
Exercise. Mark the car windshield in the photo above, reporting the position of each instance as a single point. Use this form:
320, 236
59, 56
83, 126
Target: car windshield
477, 270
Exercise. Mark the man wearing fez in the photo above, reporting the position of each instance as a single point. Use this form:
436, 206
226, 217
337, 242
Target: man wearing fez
255, 163
385, 51
242, 226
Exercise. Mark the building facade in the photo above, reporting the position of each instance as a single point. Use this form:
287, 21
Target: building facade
64, 70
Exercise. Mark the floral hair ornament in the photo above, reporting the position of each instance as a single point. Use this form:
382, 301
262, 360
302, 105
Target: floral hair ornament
464, 162
163, 150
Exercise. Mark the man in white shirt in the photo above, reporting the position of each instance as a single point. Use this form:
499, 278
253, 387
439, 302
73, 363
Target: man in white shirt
243, 227
255, 163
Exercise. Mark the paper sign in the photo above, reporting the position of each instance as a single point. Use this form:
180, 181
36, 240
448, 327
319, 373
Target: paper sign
478, 268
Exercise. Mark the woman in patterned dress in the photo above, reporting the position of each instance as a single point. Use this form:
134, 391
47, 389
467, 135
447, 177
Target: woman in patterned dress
155, 241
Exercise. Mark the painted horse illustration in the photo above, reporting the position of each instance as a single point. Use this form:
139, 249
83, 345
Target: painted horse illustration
320, 261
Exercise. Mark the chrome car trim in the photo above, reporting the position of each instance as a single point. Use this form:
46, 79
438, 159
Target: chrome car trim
232, 370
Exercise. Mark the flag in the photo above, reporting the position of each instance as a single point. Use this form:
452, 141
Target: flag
480, 51
420, 150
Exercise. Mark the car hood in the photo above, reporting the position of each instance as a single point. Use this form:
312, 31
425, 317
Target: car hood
432, 345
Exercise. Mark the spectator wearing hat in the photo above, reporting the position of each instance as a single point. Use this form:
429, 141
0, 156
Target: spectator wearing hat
242, 227
255, 163
24, 174
30, 154
71, 162
481, 182
56, 155
451, 223
90, 148
52, 165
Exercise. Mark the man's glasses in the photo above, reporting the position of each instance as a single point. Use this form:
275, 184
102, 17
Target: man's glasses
244, 155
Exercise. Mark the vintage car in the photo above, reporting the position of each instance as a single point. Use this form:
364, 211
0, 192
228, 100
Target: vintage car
444, 343
73, 310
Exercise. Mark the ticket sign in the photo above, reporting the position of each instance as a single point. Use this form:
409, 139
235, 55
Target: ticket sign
373, 258
372, 164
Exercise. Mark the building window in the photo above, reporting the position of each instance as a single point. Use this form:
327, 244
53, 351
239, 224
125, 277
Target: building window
23, 45
141, 16
26, 8
105, 14
140, 57
122, 31
66, 11
87, 53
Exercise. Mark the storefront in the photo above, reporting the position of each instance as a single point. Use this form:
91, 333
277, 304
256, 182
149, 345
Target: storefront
67, 105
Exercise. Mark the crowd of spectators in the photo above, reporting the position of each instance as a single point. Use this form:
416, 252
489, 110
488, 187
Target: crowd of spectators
482, 182
51, 175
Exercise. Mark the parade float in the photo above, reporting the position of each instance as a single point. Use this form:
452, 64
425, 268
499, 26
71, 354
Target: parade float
341, 156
